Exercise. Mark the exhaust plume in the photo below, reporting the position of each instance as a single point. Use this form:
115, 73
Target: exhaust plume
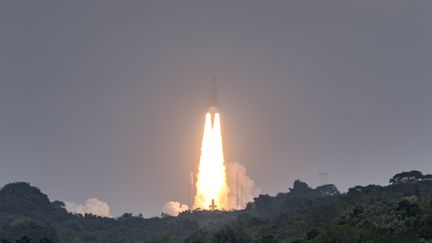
90, 206
211, 186
174, 208
242, 188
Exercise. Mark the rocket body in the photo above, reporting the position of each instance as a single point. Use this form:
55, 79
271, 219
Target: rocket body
213, 99
213, 94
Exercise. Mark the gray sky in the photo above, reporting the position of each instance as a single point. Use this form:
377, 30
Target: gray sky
106, 99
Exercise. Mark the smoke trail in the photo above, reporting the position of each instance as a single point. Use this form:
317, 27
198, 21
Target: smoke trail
242, 188
174, 208
90, 206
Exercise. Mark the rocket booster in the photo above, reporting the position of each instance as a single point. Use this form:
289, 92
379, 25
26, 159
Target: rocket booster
213, 96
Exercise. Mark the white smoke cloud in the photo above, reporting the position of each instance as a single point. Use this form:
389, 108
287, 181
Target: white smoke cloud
90, 206
174, 208
247, 188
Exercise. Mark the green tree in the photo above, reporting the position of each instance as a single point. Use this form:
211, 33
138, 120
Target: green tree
426, 222
406, 177
300, 187
230, 235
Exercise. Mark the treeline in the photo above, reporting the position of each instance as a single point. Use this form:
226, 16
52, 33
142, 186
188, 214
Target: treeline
399, 212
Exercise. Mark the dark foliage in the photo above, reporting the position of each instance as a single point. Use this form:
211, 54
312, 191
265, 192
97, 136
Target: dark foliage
400, 212
410, 177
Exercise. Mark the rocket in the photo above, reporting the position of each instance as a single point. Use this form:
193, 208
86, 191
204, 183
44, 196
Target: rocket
213, 97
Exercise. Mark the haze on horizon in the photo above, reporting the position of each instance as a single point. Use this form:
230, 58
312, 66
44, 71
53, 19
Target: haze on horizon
106, 99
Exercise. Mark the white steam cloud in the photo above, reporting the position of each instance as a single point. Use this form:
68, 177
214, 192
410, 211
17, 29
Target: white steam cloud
245, 190
90, 206
174, 208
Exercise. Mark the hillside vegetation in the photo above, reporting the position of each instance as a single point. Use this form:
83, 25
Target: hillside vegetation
399, 212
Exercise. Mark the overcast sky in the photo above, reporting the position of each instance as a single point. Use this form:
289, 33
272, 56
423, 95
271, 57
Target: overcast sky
107, 99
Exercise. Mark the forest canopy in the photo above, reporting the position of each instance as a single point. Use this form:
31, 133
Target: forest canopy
399, 212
